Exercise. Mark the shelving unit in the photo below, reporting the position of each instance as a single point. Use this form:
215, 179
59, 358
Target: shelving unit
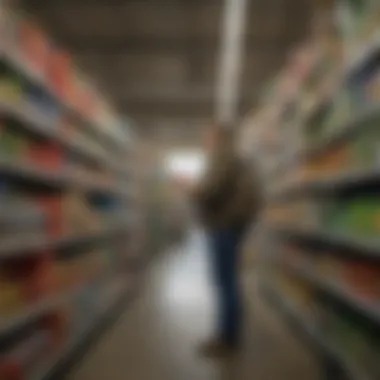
331, 287
310, 333
320, 161
69, 232
57, 365
357, 246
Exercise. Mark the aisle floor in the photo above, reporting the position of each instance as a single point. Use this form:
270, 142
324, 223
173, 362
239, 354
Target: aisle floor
157, 336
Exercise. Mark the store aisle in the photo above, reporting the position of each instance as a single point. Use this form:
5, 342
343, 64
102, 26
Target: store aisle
157, 336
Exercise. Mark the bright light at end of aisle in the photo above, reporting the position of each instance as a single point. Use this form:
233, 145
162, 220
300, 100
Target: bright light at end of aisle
188, 164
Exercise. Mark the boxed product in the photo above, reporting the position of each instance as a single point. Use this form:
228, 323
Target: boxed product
11, 85
335, 160
359, 215
59, 72
45, 155
11, 296
13, 143
362, 278
33, 45
23, 282
39, 280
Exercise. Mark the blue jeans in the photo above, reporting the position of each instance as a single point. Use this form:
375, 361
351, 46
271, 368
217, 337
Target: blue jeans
225, 255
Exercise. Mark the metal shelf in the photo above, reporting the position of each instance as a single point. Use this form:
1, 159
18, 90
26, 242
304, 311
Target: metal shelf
361, 247
345, 131
364, 307
15, 61
32, 313
56, 179
58, 365
19, 246
329, 183
36, 122
311, 333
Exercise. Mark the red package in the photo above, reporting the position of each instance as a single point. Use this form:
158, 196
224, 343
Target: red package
45, 155
34, 45
10, 369
57, 323
363, 278
41, 280
59, 72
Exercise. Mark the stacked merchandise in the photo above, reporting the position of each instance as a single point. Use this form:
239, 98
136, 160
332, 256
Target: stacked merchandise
322, 254
64, 204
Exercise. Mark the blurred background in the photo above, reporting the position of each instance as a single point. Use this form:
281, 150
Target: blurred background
103, 267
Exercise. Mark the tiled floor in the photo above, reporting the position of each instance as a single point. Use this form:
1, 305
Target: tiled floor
157, 337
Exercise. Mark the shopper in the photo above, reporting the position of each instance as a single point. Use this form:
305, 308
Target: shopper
227, 201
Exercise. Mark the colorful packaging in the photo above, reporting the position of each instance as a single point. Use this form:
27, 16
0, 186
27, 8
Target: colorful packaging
59, 73
34, 46
45, 155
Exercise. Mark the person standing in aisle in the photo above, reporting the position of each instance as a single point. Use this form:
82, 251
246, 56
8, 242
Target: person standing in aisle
228, 201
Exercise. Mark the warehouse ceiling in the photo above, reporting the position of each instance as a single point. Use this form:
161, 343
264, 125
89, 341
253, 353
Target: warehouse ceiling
158, 59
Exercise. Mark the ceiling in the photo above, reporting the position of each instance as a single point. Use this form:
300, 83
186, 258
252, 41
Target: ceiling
158, 59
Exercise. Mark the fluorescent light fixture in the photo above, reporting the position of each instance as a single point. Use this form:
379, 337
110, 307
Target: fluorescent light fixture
227, 91
188, 164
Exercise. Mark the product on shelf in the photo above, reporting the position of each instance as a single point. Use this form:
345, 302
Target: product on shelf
13, 142
335, 160
318, 124
52, 292
39, 282
33, 45
358, 215
53, 208
78, 216
45, 155
11, 299
23, 359
59, 73
362, 278
11, 86
23, 283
